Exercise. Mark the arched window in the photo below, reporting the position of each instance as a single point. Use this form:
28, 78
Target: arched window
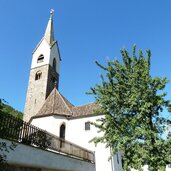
62, 131
62, 135
40, 58
38, 75
54, 64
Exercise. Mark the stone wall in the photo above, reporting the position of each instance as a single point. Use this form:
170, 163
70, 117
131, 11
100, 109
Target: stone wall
39, 90
36, 93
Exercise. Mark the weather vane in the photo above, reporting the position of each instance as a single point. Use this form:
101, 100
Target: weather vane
51, 12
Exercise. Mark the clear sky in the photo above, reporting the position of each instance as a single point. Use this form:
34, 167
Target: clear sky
86, 30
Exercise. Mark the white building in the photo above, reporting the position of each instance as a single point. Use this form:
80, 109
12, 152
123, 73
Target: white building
47, 109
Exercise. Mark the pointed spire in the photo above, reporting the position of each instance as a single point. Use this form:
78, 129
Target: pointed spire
49, 33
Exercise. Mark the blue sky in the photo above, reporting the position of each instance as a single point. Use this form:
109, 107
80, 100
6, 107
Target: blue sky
86, 30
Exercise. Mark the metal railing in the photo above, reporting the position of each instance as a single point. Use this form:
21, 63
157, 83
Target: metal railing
17, 130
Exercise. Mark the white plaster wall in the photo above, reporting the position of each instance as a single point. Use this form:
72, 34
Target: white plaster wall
76, 133
168, 168
24, 155
50, 123
80, 136
49, 53
44, 49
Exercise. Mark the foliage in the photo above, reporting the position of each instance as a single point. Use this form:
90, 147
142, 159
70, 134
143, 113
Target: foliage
11, 127
6, 109
39, 138
132, 101
4, 147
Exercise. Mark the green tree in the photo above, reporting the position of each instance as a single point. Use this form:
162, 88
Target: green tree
133, 101
4, 147
7, 109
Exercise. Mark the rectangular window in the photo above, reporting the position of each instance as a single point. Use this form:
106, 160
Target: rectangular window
87, 126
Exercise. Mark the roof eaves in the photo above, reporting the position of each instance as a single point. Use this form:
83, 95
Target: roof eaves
84, 116
40, 116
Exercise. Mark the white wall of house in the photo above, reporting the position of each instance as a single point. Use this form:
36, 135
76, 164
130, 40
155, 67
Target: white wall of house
50, 123
168, 168
76, 133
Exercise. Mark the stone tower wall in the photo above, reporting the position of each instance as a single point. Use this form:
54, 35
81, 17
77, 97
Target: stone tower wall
36, 93
39, 90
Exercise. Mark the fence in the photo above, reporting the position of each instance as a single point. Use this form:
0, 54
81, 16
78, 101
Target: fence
17, 130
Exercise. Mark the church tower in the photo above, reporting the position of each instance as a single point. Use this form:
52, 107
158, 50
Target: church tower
44, 73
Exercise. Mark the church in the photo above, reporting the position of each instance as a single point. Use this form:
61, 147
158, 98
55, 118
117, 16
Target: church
48, 109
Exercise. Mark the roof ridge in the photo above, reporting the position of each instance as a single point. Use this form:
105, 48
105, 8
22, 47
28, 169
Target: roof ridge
85, 104
53, 102
64, 101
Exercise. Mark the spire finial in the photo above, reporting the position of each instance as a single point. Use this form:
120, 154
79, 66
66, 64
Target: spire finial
51, 13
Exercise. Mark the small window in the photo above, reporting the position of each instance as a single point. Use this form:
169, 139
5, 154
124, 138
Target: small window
40, 59
54, 64
87, 126
38, 75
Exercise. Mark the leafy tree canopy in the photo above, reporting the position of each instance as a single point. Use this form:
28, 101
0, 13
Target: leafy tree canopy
4, 148
132, 101
7, 109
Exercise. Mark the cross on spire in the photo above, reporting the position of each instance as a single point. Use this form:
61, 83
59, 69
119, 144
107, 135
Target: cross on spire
51, 13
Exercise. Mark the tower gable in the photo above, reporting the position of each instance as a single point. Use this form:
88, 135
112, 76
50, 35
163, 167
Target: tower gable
42, 49
48, 52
